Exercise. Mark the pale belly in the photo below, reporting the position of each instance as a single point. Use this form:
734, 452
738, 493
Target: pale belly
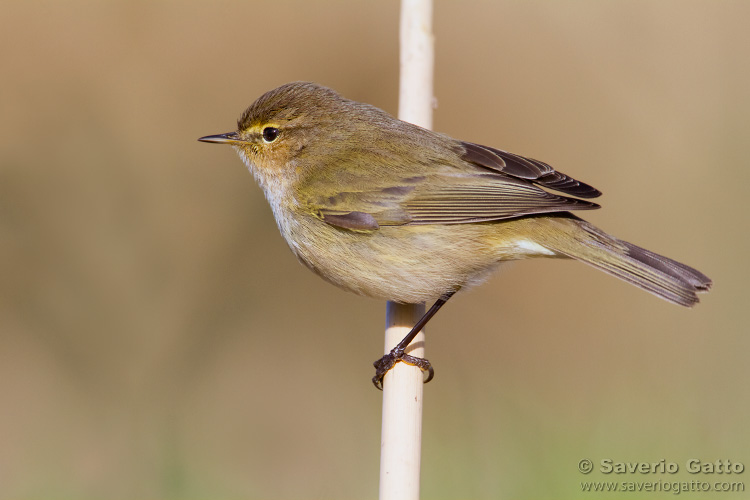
407, 263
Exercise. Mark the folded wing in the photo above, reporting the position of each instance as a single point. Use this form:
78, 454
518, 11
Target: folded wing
443, 199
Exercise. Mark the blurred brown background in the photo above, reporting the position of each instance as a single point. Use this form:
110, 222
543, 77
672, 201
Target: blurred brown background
158, 339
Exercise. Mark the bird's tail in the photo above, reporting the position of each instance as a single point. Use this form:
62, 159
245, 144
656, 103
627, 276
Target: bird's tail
664, 277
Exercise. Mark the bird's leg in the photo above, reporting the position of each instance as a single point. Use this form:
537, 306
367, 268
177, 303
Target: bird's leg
397, 353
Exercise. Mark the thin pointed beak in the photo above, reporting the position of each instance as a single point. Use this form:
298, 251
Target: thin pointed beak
228, 138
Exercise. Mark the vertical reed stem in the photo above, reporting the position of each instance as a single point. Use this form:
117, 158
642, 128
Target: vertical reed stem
401, 437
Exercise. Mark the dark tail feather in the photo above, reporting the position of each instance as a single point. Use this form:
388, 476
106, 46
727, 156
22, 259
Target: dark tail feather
654, 273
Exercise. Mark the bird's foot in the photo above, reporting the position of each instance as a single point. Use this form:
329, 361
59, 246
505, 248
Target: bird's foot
389, 361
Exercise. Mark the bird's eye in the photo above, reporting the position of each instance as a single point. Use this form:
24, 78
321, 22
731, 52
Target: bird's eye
270, 134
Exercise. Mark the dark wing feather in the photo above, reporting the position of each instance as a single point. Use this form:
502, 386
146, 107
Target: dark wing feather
354, 221
526, 168
484, 197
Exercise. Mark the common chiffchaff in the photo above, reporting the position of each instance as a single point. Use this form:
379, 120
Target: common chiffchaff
388, 209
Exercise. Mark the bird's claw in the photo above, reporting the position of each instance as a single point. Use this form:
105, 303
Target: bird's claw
389, 361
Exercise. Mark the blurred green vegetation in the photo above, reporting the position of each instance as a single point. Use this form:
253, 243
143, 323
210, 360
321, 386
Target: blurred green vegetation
160, 341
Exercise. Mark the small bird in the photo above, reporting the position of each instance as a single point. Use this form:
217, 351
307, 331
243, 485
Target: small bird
387, 209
